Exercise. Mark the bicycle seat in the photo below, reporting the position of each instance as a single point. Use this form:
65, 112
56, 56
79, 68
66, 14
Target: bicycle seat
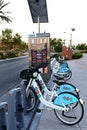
58, 82
28, 73
58, 78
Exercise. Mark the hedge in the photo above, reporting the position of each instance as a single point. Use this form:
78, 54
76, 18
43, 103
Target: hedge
77, 55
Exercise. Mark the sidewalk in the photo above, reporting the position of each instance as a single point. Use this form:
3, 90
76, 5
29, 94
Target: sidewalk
46, 119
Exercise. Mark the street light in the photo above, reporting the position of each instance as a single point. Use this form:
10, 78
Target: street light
73, 29
70, 37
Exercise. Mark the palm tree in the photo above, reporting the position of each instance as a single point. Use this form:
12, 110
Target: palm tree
3, 15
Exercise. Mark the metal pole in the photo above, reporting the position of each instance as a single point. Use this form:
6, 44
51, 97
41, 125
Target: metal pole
70, 39
38, 24
73, 29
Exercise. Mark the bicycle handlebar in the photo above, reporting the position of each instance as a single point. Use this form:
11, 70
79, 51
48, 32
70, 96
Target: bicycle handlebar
53, 56
28, 73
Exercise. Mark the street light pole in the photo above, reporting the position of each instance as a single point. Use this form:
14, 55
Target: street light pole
70, 39
70, 42
38, 24
73, 29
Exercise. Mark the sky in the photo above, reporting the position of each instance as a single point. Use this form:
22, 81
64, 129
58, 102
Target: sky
63, 15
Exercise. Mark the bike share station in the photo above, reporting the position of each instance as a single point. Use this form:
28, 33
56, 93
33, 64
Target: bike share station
13, 115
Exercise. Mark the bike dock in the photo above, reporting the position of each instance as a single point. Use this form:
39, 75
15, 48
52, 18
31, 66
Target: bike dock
13, 114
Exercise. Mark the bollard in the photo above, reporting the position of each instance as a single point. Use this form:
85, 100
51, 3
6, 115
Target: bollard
3, 120
15, 110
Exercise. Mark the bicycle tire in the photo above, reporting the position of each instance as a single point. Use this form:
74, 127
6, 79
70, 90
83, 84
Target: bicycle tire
66, 118
31, 99
68, 76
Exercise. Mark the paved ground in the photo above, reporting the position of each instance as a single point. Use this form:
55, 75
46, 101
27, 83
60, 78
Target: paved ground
46, 120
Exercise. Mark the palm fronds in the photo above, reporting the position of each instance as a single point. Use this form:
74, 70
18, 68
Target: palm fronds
4, 15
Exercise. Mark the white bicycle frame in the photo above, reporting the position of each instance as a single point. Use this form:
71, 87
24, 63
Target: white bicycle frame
53, 85
55, 66
52, 94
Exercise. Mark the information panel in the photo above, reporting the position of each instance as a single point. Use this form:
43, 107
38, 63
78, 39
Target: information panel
39, 48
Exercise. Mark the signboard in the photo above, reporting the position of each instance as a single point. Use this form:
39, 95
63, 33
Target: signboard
39, 48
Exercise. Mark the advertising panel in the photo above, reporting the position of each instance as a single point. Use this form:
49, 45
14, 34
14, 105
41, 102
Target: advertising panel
39, 48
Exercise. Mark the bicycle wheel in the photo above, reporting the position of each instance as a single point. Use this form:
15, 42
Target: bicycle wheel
68, 75
73, 115
31, 99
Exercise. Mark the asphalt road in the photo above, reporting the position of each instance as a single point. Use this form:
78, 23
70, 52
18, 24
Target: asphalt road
9, 72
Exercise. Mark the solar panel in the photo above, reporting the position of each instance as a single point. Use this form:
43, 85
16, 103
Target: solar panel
38, 8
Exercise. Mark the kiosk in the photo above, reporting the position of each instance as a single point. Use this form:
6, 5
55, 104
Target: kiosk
39, 49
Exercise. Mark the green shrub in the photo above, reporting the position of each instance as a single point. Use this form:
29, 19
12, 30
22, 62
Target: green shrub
1, 55
58, 48
11, 54
77, 55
